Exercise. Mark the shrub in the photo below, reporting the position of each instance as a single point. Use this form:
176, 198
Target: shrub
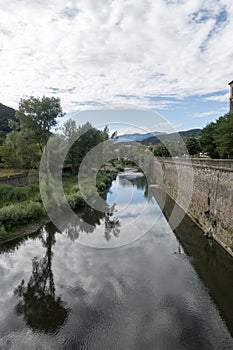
75, 189
3, 233
101, 185
75, 200
11, 194
15, 215
34, 211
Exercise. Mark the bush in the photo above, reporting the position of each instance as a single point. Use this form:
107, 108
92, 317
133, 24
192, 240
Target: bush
15, 215
101, 185
3, 233
75, 200
75, 189
11, 194
34, 211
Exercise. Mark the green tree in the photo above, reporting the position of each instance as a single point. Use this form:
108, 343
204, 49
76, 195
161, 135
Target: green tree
6, 114
9, 155
224, 136
24, 145
83, 139
192, 145
208, 142
162, 151
39, 115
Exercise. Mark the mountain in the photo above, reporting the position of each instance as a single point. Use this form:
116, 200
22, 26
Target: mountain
171, 137
6, 114
137, 136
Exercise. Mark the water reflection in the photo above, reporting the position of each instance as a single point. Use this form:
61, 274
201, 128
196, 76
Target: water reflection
89, 219
142, 296
41, 309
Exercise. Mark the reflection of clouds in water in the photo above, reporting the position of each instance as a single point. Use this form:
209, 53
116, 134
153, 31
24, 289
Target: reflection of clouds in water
134, 213
140, 296
134, 221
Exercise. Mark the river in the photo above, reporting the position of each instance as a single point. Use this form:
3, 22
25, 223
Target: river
152, 289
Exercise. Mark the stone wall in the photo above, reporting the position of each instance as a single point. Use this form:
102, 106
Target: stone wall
204, 189
17, 180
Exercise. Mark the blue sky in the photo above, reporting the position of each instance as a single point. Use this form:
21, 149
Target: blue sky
172, 57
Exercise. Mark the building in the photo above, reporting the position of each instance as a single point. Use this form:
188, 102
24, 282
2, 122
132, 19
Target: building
231, 96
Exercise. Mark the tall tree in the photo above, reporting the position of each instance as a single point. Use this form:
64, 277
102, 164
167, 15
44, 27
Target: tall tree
83, 139
24, 145
39, 115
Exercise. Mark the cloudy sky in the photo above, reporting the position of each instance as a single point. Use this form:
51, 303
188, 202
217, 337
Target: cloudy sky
170, 56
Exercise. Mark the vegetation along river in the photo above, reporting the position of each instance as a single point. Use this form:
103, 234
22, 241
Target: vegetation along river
165, 290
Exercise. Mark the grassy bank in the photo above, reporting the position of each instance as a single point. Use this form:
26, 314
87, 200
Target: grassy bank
22, 205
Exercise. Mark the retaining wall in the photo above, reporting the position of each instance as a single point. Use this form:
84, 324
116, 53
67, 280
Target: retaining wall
208, 185
16, 180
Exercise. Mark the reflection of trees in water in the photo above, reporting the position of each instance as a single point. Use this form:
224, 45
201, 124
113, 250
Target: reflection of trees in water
111, 224
39, 306
140, 182
88, 219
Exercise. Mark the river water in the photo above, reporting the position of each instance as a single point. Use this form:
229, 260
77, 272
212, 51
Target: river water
158, 290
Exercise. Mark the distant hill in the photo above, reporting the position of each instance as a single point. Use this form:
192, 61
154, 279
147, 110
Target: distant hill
6, 114
137, 136
171, 137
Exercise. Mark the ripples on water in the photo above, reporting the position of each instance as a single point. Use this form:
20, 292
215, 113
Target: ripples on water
164, 291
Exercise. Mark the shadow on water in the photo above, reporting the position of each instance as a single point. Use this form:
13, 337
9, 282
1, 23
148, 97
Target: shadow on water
213, 265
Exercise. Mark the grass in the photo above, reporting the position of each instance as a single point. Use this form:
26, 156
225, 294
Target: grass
22, 205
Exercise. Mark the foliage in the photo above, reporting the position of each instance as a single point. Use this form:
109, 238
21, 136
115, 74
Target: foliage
217, 138
15, 215
13, 194
224, 136
162, 151
82, 139
193, 146
24, 145
9, 154
6, 114
3, 233
207, 140
39, 116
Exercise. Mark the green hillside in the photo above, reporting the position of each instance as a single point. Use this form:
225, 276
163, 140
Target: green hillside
171, 137
6, 114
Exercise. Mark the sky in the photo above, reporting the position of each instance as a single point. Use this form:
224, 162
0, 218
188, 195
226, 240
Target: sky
172, 58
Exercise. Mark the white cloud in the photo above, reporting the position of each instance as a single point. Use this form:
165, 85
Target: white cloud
218, 98
209, 113
103, 50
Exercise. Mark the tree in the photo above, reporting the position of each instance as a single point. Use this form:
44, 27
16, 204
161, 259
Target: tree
217, 137
224, 136
207, 140
83, 139
162, 151
9, 155
6, 114
39, 116
24, 145
192, 145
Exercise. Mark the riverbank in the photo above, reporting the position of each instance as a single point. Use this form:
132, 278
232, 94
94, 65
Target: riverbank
22, 211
